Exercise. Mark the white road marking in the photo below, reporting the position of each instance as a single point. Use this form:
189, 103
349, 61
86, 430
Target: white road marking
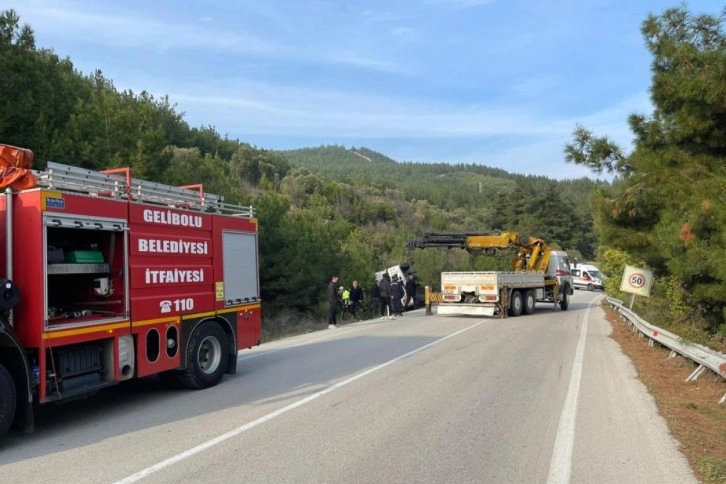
266, 418
561, 463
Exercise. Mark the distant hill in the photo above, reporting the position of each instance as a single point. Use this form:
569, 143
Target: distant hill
449, 186
334, 154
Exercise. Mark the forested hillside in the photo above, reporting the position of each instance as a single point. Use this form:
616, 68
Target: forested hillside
485, 198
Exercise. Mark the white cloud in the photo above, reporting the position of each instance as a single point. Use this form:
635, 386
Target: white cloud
539, 156
282, 110
405, 34
354, 59
138, 32
535, 86
278, 110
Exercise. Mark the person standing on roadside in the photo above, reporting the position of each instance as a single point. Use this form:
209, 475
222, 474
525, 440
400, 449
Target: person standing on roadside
356, 296
333, 302
345, 305
410, 292
376, 298
396, 296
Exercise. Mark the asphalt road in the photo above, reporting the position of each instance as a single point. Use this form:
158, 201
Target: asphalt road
541, 398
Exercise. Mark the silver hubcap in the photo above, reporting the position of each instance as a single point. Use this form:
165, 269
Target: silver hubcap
209, 354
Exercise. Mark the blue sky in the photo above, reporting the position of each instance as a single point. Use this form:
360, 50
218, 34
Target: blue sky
496, 82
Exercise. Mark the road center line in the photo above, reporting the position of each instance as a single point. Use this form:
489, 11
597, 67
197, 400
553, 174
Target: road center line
561, 463
266, 418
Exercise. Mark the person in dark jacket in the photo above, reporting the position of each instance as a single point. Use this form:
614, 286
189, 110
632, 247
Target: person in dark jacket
376, 298
396, 296
410, 293
385, 286
356, 296
333, 302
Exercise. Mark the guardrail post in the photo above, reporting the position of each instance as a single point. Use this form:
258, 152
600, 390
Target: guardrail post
696, 373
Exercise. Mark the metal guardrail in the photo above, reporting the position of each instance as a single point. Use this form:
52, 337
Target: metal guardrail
706, 358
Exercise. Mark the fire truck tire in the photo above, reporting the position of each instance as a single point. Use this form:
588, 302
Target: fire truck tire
207, 355
565, 302
529, 301
7, 400
515, 306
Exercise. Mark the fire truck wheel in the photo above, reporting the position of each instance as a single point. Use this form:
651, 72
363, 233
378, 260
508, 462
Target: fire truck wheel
207, 357
7, 400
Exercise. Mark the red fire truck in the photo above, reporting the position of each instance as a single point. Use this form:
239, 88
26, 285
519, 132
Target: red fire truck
107, 278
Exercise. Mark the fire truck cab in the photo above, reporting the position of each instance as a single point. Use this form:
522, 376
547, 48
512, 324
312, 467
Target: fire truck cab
107, 278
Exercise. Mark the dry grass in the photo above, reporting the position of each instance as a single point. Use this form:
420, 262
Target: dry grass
286, 324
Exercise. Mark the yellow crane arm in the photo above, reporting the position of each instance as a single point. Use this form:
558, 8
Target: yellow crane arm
533, 254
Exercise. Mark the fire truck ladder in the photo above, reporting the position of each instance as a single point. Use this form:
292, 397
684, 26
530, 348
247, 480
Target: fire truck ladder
110, 184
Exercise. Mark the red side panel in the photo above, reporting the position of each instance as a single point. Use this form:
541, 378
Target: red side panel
78, 204
153, 354
249, 326
28, 268
171, 262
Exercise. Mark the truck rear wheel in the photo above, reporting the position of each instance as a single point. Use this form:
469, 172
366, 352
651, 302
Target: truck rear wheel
515, 306
529, 302
565, 302
207, 355
7, 400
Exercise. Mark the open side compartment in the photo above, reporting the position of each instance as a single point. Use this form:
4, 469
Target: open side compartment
86, 260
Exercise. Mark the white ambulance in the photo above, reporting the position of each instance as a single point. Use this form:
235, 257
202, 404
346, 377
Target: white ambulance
586, 276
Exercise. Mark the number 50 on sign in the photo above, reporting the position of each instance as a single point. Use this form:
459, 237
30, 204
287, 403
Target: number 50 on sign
636, 281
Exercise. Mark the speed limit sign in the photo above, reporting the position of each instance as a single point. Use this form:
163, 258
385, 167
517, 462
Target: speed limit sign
636, 281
